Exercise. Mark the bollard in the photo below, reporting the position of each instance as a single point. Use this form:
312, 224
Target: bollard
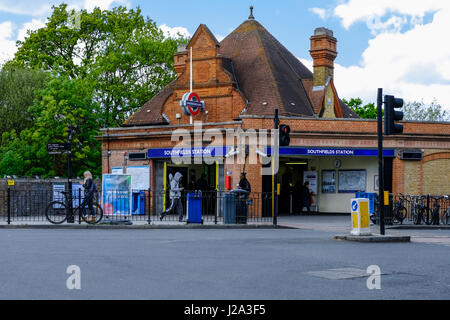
360, 217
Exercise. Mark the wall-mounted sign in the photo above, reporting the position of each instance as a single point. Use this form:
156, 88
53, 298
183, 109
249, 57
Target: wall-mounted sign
191, 104
332, 152
187, 152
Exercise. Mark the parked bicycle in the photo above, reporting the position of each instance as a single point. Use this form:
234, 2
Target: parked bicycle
399, 211
445, 219
57, 212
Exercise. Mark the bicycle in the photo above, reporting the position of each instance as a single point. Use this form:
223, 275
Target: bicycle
423, 212
400, 210
445, 219
435, 212
57, 212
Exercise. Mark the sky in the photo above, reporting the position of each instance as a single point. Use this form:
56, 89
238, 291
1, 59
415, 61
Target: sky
401, 46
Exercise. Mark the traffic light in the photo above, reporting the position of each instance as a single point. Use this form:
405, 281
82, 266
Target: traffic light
391, 116
285, 139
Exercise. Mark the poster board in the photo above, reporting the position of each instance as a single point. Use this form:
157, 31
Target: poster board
328, 181
140, 176
312, 177
116, 194
59, 187
351, 181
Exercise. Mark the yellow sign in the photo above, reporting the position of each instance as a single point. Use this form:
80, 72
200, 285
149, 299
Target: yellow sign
278, 189
11, 182
364, 212
386, 198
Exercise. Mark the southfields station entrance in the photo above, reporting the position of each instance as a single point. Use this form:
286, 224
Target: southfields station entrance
334, 175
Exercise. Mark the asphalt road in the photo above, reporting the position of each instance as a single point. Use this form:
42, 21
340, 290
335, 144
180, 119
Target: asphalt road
214, 264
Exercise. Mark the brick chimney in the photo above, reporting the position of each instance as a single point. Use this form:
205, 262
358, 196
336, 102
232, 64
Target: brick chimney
180, 59
323, 51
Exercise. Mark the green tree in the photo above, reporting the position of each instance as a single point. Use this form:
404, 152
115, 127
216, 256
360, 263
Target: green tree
63, 101
125, 56
17, 92
367, 111
421, 111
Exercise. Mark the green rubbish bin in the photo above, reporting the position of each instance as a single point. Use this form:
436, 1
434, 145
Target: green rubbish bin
229, 208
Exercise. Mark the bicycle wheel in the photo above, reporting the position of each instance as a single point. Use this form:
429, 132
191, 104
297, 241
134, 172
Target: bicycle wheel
56, 212
92, 217
401, 214
418, 216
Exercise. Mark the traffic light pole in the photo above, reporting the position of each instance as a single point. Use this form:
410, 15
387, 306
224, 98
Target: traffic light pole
276, 122
380, 162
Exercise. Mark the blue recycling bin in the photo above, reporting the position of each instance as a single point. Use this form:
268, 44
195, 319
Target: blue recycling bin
194, 208
371, 196
138, 204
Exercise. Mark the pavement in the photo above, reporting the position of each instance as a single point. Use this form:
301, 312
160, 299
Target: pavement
260, 264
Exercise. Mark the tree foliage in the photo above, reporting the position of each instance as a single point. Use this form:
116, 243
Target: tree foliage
63, 101
87, 69
17, 92
421, 111
368, 111
125, 56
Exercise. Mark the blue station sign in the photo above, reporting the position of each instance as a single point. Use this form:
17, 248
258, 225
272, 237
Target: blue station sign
187, 152
332, 152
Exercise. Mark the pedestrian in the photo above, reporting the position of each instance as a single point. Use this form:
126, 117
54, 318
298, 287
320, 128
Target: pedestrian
244, 184
202, 184
305, 196
175, 197
89, 189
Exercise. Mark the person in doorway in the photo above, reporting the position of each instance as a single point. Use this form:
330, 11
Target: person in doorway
202, 184
175, 197
305, 198
89, 190
244, 184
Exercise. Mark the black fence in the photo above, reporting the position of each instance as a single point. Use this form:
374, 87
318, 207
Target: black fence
146, 207
416, 209
421, 209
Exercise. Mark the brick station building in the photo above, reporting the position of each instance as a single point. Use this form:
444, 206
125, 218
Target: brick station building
242, 80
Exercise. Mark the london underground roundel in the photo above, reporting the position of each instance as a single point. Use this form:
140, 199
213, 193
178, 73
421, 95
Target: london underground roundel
191, 104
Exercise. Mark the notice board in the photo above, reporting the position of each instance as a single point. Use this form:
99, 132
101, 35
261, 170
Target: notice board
351, 181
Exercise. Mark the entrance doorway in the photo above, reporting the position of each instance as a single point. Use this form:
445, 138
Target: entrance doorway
290, 178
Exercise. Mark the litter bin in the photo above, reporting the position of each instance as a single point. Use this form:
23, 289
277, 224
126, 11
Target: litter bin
138, 206
241, 206
229, 208
194, 208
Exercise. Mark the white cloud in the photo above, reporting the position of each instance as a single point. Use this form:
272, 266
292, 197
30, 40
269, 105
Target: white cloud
170, 32
104, 4
25, 7
322, 13
412, 63
33, 25
7, 44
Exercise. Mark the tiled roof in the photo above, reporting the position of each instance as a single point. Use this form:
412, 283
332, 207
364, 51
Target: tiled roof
267, 73
151, 112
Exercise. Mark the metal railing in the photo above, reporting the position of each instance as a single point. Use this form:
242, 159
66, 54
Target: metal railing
140, 206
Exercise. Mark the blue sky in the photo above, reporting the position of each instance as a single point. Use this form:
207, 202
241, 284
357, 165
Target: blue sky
396, 45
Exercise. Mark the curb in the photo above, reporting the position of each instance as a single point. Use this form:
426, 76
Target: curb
373, 238
419, 227
141, 227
